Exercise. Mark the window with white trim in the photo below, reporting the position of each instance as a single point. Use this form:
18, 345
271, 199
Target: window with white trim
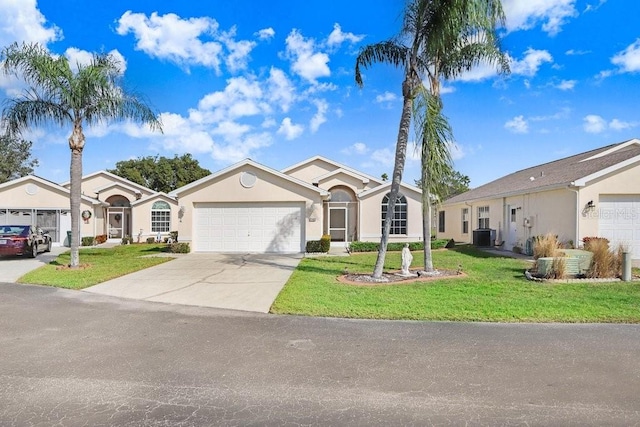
441, 222
399, 219
483, 216
160, 217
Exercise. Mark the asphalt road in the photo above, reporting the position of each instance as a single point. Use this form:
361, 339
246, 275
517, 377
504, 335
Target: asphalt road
71, 358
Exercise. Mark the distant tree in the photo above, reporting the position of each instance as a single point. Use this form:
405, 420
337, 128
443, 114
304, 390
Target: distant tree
69, 95
161, 173
452, 184
384, 177
15, 155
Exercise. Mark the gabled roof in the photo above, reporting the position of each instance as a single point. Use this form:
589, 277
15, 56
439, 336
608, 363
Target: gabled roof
575, 171
116, 184
333, 163
338, 171
154, 196
245, 162
386, 187
51, 185
115, 178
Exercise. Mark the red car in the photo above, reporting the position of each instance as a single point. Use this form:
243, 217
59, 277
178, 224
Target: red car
23, 240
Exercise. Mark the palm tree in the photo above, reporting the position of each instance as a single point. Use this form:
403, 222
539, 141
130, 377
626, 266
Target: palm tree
439, 39
57, 94
462, 34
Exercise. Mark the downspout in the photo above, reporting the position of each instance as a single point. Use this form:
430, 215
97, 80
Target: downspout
577, 217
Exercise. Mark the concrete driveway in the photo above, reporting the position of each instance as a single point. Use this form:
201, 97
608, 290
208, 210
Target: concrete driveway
13, 267
248, 282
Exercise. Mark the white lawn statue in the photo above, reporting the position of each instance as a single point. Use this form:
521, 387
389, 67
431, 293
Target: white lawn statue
406, 260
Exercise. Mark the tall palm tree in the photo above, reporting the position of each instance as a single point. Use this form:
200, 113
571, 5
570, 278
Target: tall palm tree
439, 39
58, 94
462, 34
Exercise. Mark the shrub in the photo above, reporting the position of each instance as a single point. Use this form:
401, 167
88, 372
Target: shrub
151, 239
100, 239
545, 246
173, 235
313, 246
396, 246
88, 241
587, 241
603, 261
325, 243
179, 248
127, 240
558, 268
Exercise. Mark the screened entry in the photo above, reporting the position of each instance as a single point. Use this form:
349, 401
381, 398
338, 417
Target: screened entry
341, 215
56, 222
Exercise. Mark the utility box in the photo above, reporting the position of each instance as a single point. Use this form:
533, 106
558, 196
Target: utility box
484, 237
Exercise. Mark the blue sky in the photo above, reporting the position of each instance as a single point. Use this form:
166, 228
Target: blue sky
273, 81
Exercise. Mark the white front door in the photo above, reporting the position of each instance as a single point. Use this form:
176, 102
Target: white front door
512, 220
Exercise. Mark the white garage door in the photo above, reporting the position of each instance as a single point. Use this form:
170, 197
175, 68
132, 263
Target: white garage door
240, 227
619, 219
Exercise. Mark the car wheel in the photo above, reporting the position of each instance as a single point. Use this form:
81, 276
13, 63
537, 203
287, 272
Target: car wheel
34, 251
48, 248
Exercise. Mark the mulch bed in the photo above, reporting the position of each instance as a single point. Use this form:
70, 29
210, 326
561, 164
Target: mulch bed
394, 278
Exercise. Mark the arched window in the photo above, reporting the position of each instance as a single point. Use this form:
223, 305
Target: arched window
160, 217
399, 219
340, 195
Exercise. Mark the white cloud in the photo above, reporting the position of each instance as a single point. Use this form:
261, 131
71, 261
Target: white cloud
280, 89
82, 57
337, 37
359, 148
552, 14
238, 50
574, 52
517, 125
290, 130
22, 21
305, 61
386, 97
594, 124
529, 65
617, 124
182, 41
457, 151
628, 60
320, 116
265, 33
384, 157
566, 85
592, 7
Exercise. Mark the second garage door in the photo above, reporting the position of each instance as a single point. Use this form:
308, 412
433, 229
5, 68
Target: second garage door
619, 221
240, 227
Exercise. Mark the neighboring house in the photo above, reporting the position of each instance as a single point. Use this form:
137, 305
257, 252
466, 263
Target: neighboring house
596, 193
247, 207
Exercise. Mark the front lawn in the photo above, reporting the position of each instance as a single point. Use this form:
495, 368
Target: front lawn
97, 265
495, 290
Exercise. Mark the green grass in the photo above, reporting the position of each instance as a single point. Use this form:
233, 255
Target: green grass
494, 290
99, 265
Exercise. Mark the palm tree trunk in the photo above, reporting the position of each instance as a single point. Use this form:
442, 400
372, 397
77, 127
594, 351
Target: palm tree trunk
426, 214
398, 169
76, 144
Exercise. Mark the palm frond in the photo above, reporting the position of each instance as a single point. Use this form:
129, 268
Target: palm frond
388, 52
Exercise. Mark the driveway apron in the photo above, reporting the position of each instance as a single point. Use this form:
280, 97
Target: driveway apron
14, 267
248, 282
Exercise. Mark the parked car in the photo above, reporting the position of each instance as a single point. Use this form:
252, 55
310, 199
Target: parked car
24, 240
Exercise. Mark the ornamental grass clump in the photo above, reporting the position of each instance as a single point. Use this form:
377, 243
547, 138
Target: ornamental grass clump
605, 263
558, 268
545, 246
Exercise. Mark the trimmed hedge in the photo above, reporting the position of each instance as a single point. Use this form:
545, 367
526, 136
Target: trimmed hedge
88, 241
323, 245
392, 247
179, 248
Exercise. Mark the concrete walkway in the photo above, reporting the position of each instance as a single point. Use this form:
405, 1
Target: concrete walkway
248, 282
14, 267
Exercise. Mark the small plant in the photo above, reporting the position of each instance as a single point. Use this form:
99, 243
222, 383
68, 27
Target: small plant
100, 239
325, 243
173, 235
179, 248
151, 239
127, 240
88, 241
603, 261
313, 246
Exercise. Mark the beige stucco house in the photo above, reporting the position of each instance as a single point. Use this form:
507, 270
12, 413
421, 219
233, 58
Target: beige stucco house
596, 193
247, 207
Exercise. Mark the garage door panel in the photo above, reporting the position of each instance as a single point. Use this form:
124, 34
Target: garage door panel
228, 227
619, 221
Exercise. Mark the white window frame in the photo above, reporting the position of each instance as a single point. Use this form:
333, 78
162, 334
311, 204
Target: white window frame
483, 217
399, 221
465, 220
160, 218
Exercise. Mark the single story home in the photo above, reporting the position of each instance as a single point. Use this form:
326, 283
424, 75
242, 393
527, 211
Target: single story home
596, 193
246, 207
